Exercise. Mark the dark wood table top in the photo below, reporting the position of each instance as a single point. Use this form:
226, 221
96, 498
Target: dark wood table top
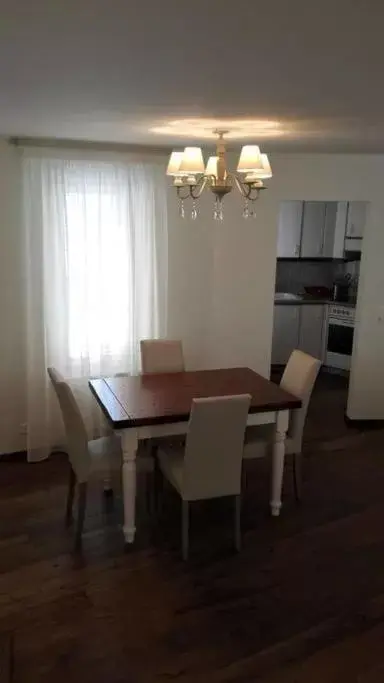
135, 401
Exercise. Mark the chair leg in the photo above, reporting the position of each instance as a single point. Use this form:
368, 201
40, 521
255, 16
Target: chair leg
244, 479
81, 514
237, 520
153, 450
70, 497
297, 476
185, 528
148, 493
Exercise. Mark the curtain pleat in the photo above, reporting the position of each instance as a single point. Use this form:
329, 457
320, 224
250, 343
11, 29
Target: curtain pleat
96, 278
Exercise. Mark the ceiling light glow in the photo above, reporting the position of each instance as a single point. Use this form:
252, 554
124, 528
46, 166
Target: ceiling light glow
206, 128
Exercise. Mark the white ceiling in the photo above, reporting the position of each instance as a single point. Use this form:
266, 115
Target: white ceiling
111, 70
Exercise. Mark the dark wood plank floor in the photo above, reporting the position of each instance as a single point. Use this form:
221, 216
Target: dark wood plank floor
304, 601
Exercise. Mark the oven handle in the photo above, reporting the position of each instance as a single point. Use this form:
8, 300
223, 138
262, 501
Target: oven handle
341, 323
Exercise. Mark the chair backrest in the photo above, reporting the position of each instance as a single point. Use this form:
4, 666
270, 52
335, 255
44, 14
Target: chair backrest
161, 355
214, 447
299, 379
55, 376
77, 438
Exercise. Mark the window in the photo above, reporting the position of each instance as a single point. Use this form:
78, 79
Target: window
98, 297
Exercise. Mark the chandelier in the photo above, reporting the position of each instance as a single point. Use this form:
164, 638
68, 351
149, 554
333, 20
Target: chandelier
191, 177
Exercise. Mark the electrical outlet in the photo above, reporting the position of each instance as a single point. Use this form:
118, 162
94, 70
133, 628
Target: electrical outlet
23, 429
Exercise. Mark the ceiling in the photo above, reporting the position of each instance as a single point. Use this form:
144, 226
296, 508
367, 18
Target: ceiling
307, 75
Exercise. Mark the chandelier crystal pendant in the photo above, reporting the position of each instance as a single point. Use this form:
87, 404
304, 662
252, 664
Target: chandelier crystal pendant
191, 177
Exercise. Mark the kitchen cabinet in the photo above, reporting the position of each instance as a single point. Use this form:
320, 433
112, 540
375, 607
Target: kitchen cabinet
356, 217
307, 230
313, 229
289, 232
286, 325
330, 246
298, 326
311, 331
318, 231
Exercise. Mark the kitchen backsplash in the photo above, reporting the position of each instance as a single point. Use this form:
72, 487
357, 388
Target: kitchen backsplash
293, 276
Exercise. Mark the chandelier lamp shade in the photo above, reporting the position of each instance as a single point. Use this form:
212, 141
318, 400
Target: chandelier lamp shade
191, 177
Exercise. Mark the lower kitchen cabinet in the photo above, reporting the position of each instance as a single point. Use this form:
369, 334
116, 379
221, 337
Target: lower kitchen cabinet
286, 324
299, 326
311, 333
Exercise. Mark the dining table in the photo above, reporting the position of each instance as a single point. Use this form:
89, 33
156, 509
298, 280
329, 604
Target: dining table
139, 407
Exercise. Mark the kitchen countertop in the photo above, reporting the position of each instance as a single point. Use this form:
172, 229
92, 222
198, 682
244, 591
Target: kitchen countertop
307, 299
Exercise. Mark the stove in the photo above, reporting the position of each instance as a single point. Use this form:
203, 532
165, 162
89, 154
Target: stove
341, 323
341, 312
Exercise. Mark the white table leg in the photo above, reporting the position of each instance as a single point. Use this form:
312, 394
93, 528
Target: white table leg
278, 455
129, 445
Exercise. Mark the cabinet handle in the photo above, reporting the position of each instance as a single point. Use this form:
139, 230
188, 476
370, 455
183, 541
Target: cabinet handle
352, 228
322, 243
297, 250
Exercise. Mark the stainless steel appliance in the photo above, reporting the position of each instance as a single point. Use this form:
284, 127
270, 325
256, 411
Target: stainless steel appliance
341, 286
341, 323
340, 292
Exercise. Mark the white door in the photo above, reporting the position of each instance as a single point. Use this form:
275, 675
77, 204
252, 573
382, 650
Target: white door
313, 229
289, 234
311, 335
356, 218
285, 332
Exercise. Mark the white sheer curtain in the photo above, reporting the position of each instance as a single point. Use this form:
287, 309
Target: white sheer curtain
96, 274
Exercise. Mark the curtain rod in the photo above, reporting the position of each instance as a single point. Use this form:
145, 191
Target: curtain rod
60, 143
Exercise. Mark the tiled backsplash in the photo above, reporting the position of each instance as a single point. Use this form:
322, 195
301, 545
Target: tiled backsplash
293, 276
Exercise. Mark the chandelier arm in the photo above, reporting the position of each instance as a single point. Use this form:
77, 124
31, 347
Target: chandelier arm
245, 190
248, 190
199, 187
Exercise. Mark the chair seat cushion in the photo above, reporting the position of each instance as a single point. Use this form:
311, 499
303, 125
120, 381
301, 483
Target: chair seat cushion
259, 433
171, 465
106, 454
105, 451
259, 439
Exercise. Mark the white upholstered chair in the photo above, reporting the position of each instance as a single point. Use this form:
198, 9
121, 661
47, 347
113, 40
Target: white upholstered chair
298, 379
210, 465
161, 355
86, 457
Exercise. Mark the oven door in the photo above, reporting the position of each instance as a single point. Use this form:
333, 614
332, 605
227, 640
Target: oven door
339, 343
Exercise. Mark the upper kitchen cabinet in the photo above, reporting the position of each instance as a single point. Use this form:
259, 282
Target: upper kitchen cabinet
313, 229
318, 230
289, 235
307, 230
329, 249
356, 217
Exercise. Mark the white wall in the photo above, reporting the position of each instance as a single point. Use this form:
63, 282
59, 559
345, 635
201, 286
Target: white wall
221, 279
350, 177
229, 280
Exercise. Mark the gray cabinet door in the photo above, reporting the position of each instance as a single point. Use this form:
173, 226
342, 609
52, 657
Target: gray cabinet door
285, 332
289, 232
356, 217
311, 335
312, 239
328, 250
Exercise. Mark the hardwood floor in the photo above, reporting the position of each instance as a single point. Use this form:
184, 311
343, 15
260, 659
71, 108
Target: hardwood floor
303, 601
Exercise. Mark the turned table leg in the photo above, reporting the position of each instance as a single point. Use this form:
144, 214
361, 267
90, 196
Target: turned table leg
129, 445
278, 455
